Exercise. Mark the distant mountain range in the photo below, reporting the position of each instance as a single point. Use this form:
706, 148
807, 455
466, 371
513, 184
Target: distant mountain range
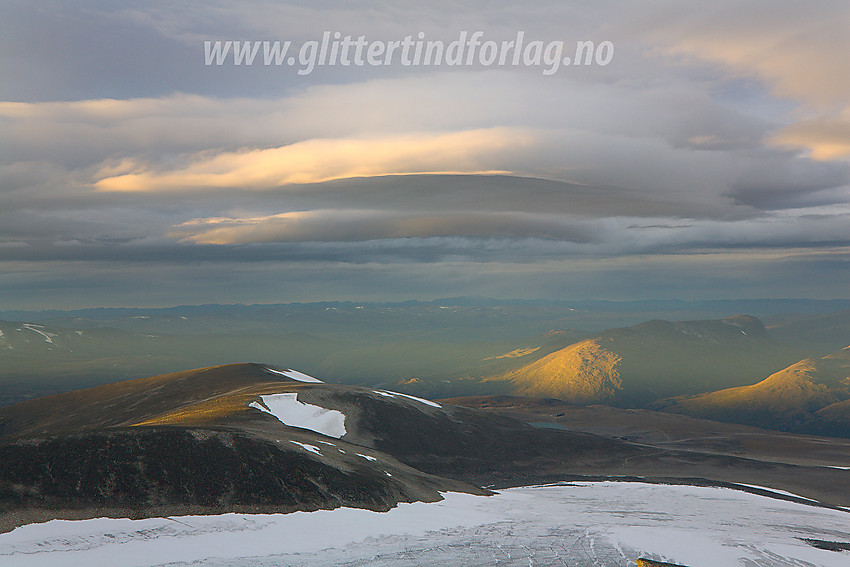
759, 307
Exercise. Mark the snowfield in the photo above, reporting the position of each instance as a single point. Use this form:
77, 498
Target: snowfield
308, 447
289, 411
295, 375
584, 524
48, 337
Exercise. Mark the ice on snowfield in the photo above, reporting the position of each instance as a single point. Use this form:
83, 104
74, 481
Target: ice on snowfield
582, 524
289, 411
295, 375
388, 394
775, 491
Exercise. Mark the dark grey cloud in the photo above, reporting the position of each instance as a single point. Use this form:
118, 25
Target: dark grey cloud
777, 181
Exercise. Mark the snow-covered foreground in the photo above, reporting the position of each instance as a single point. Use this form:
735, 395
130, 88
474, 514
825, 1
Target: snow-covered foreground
289, 411
608, 524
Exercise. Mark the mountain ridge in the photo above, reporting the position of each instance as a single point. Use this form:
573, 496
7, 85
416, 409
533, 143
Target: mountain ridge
638, 365
808, 396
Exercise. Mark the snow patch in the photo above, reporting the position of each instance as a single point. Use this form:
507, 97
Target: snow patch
367, 457
307, 446
48, 337
295, 375
289, 411
840, 468
388, 394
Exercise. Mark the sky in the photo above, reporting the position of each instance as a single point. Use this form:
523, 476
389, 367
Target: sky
705, 155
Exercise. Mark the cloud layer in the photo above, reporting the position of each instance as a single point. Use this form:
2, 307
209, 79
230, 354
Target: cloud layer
719, 136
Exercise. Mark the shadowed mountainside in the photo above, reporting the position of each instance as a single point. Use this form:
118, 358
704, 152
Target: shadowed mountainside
820, 332
199, 441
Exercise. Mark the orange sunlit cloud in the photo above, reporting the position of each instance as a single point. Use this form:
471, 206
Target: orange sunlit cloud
310, 161
825, 139
796, 62
792, 64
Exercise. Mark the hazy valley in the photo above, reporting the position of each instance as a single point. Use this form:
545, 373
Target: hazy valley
467, 347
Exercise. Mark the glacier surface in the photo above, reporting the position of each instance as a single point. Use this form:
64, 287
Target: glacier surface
576, 524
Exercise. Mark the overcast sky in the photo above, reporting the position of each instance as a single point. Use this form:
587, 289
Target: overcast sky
709, 158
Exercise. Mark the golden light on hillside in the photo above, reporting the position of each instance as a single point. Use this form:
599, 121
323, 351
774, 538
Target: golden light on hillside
583, 372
